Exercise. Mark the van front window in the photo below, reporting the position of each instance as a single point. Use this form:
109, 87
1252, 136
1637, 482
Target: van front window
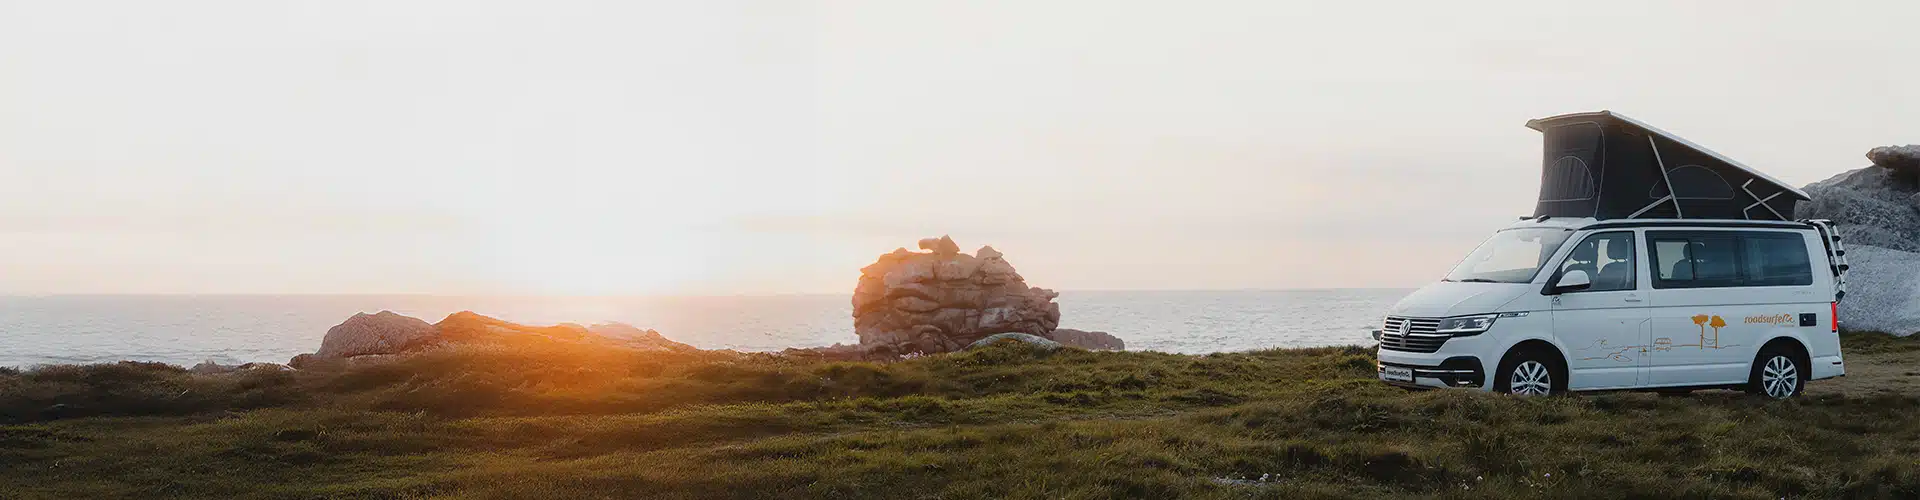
1510, 256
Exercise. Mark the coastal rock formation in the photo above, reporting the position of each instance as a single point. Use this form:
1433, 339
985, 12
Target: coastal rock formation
1903, 161
370, 336
1876, 210
1873, 205
635, 337
467, 326
383, 333
1036, 341
944, 300
1092, 341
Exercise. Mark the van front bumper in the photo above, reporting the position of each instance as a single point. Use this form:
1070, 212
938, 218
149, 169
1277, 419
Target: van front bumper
1455, 371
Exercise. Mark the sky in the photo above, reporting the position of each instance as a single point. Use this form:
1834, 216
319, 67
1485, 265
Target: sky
755, 147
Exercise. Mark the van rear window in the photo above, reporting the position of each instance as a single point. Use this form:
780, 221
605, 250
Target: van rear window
1705, 259
1777, 259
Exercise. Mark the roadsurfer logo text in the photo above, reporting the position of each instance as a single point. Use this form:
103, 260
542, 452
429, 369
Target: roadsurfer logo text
1775, 320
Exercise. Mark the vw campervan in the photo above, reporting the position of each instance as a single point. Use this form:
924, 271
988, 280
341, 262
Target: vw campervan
1650, 262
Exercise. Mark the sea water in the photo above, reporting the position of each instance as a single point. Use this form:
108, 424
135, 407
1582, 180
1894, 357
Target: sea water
244, 328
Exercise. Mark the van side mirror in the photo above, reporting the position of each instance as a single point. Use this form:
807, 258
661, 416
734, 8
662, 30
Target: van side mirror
1573, 281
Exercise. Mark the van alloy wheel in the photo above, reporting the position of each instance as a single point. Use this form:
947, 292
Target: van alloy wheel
1530, 378
1780, 377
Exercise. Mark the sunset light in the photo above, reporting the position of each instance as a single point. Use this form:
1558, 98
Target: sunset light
979, 249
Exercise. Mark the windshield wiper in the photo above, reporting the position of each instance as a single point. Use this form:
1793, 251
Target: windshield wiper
1477, 280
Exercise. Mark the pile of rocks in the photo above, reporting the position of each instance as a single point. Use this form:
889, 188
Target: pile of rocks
1877, 212
944, 300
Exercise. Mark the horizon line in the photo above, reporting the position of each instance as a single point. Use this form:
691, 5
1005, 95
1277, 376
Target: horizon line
641, 295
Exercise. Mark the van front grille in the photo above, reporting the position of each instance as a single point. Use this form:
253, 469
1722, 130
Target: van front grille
1412, 335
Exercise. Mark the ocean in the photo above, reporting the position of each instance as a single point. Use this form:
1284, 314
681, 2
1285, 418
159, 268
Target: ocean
244, 328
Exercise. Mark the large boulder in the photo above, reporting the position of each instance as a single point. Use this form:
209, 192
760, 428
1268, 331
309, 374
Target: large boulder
1092, 341
944, 300
1902, 161
381, 333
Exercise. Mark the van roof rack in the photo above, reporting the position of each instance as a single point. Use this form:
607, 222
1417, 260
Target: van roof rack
1606, 165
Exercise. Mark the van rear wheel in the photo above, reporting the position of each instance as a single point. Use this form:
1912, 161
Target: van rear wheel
1777, 374
1529, 373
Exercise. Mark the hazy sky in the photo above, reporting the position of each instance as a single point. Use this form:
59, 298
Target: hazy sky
707, 147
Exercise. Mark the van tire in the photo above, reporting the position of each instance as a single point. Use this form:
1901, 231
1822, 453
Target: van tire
1778, 373
1531, 372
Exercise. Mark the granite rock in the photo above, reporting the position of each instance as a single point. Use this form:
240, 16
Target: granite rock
943, 300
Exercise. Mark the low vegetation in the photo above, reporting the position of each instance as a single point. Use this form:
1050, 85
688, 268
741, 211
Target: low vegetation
1008, 421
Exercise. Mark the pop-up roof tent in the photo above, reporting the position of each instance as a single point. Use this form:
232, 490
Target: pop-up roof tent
1608, 166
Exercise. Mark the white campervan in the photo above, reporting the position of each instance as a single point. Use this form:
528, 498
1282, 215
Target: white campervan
1650, 262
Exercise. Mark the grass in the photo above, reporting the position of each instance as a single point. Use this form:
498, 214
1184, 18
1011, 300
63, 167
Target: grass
559, 422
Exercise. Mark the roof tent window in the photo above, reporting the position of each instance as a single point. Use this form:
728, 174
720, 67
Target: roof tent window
1572, 151
1695, 182
1570, 180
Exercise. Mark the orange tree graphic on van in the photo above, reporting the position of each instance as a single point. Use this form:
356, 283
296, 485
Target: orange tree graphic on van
1618, 353
1703, 321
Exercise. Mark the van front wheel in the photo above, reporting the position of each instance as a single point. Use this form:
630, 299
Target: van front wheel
1528, 373
1777, 374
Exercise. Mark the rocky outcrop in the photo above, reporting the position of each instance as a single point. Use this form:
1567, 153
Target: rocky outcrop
370, 336
381, 333
1902, 161
1092, 341
1872, 205
467, 326
634, 337
1036, 341
943, 300
1876, 210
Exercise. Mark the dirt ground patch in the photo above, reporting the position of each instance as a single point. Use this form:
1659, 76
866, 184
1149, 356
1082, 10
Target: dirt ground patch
1873, 373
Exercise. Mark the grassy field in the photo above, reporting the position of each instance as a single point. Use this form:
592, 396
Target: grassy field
548, 422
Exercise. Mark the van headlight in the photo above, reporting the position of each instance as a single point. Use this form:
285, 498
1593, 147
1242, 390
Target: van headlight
1464, 326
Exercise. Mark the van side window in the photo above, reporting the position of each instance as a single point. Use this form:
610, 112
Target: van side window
1715, 260
1705, 259
1607, 258
1777, 259
1670, 262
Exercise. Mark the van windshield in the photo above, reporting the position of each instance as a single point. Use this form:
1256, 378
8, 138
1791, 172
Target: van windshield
1510, 256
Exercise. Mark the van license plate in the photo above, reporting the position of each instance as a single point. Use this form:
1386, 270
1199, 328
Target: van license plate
1396, 373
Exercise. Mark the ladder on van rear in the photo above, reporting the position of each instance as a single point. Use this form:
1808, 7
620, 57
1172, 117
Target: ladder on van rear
1836, 255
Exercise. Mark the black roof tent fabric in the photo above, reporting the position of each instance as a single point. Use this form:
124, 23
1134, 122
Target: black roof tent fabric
1607, 166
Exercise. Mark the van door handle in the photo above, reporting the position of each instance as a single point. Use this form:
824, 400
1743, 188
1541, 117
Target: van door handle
1633, 299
